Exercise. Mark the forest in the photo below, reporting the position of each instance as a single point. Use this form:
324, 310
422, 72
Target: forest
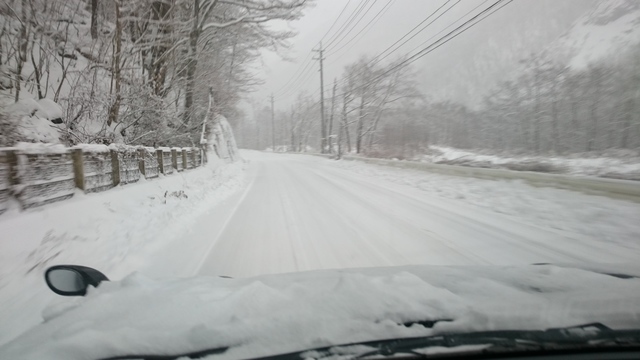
143, 72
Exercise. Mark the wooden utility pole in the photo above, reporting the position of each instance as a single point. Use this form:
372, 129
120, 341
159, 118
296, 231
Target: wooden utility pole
273, 127
323, 126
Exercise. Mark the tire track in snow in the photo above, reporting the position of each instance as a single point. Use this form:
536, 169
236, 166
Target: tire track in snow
406, 224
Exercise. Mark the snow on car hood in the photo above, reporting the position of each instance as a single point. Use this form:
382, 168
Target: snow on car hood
275, 314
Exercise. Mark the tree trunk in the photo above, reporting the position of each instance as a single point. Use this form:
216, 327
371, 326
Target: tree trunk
537, 115
574, 122
626, 123
158, 64
192, 63
94, 19
21, 54
593, 130
292, 129
554, 125
115, 107
37, 71
344, 122
360, 127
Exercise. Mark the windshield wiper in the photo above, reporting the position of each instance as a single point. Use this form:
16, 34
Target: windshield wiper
191, 355
587, 336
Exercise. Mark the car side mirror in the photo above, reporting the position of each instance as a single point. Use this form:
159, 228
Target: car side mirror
72, 280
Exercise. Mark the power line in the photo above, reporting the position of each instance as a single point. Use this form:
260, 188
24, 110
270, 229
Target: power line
443, 30
421, 30
371, 22
286, 88
441, 41
303, 81
356, 24
431, 47
346, 25
335, 21
299, 73
348, 22
378, 58
451, 35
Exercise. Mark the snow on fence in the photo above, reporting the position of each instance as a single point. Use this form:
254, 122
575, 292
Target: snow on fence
37, 174
148, 162
165, 160
40, 177
176, 156
129, 165
94, 169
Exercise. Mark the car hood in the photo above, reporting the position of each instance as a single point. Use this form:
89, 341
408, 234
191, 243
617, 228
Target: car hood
275, 314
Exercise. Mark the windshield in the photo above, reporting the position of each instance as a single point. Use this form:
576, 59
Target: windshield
275, 176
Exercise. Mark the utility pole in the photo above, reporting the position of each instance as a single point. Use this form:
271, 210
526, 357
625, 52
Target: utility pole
273, 127
323, 126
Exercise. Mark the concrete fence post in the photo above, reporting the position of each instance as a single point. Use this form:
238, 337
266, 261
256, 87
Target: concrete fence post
141, 154
78, 168
160, 163
203, 155
193, 158
14, 179
12, 162
184, 159
174, 159
115, 168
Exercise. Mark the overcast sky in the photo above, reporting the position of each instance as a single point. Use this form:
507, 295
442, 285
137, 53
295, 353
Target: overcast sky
478, 56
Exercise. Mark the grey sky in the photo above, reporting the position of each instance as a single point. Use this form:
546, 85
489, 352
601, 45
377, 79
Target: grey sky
457, 71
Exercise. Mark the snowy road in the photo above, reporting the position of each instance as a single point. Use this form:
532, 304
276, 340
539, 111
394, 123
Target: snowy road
284, 213
303, 213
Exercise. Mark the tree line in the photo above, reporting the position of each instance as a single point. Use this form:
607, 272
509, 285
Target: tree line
548, 108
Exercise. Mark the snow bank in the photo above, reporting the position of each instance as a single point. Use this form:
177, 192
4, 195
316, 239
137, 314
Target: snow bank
276, 314
114, 231
595, 217
49, 109
33, 123
625, 165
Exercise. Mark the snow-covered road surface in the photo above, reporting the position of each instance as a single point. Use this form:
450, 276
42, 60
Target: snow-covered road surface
303, 213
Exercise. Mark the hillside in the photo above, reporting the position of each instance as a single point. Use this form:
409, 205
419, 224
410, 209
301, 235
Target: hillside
138, 72
612, 27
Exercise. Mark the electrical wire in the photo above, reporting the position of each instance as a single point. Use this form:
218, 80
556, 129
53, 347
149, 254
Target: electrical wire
347, 23
335, 21
451, 35
368, 26
379, 59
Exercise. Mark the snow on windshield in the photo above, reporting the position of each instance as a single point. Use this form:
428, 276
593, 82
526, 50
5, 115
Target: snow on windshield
276, 314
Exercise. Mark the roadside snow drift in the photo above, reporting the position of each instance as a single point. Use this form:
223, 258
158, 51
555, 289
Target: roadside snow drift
122, 230
275, 314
